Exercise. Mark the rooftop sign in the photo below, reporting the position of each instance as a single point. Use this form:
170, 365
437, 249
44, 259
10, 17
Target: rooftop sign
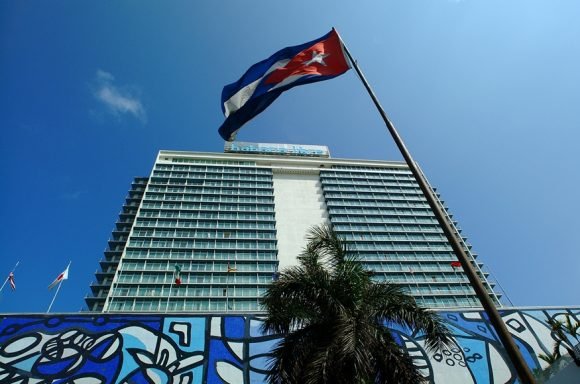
277, 149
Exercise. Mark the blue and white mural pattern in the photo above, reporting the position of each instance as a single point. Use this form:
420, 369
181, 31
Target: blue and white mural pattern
183, 349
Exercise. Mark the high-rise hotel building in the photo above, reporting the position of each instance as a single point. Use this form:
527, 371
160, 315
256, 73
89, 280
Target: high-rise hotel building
229, 221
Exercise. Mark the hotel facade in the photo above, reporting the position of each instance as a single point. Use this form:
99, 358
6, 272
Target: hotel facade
226, 223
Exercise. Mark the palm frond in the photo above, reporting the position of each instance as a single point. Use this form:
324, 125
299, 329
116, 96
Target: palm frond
549, 358
390, 304
556, 350
326, 242
334, 318
299, 297
394, 365
289, 357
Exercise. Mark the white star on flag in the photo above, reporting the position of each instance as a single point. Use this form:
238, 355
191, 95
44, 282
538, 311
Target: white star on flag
317, 57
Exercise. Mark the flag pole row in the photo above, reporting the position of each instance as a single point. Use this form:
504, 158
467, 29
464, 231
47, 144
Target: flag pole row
56, 283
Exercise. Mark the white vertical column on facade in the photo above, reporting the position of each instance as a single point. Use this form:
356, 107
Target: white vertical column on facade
299, 205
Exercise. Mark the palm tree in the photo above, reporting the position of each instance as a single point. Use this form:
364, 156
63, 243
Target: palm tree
333, 317
559, 330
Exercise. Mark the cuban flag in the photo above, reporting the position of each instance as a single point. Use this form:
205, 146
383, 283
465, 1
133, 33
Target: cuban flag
318, 60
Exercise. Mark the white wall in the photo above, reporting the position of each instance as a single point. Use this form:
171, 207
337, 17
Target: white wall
299, 205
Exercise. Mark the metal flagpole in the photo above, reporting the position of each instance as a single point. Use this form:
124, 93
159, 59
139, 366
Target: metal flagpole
7, 277
459, 237
57, 289
500, 286
460, 283
419, 291
230, 269
54, 297
228, 289
170, 288
514, 354
168, 297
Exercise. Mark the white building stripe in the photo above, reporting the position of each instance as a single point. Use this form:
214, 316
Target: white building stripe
299, 205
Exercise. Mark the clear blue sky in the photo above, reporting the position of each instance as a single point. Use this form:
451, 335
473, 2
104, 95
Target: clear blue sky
485, 93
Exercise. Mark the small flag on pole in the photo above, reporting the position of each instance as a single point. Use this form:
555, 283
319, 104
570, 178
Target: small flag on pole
177, 275
11, 281
455, 264
231, 269
317, 60
61, 277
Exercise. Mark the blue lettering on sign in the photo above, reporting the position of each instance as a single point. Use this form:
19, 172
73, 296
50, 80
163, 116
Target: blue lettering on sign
282, 149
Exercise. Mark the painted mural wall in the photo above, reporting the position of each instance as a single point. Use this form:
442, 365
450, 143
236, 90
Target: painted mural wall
187, 349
